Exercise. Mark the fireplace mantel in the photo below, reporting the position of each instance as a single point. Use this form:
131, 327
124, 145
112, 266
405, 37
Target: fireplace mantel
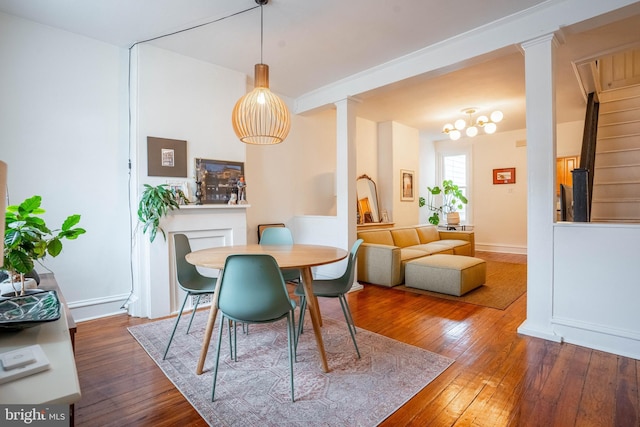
205, 226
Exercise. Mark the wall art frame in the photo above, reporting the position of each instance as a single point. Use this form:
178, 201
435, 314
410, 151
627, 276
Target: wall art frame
504, 176
166, 157
407, 185
218, 178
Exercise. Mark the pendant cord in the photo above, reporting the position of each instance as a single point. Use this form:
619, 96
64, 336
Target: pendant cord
261, 31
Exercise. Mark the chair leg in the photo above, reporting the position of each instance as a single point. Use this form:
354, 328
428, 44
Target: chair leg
345, 309
350, 319
303, 307
215, 370
291, 342
193, 313
175, 326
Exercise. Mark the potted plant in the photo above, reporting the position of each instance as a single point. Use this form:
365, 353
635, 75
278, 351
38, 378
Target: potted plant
27, 238
452, 200
154, 204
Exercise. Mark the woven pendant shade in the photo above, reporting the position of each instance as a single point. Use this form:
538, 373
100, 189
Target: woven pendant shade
261, 117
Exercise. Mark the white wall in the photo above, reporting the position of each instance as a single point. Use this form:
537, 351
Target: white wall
497, 212
63, 135
399, 150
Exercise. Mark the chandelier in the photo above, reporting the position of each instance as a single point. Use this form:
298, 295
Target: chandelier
470, 127
260, 116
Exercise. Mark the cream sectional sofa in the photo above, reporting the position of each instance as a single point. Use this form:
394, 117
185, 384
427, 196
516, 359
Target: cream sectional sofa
384, 253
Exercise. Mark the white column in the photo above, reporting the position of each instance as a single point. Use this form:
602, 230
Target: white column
541, 162
346, 203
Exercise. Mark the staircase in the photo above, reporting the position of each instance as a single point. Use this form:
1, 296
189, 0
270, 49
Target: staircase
616, 182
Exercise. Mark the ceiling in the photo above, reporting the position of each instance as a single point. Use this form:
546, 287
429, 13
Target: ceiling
310, 44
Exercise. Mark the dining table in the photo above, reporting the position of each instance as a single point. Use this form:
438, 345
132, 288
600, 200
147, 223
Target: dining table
300, 256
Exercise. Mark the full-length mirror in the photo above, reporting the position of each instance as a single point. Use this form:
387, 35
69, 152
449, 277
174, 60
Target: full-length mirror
367, 200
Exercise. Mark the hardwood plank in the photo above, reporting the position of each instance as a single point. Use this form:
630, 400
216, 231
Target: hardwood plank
499, 378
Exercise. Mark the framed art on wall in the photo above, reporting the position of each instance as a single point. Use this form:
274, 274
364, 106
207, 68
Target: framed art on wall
504, 176
219, 179
406, 181
166, 157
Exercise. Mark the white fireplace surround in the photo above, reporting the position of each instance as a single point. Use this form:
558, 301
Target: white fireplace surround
205, 226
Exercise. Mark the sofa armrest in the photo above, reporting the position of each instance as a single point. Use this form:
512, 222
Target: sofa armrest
379, 264
459, 235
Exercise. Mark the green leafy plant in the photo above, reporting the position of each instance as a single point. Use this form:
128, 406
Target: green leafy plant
452, 200
27, 238
154, 204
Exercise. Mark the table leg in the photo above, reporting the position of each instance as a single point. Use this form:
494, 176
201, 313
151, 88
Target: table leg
314, 311
206, 340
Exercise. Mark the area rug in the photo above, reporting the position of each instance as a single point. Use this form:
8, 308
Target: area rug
255, 391
506, 282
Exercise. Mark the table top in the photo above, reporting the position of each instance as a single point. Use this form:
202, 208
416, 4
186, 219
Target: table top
287, 256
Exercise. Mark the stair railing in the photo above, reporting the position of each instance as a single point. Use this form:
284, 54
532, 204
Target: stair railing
583, 176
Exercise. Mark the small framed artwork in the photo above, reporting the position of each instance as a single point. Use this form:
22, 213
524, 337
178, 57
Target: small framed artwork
504, 176
166, 157
220, 179
406, 180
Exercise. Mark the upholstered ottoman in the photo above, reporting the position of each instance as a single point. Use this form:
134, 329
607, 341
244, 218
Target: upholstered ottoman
447, 274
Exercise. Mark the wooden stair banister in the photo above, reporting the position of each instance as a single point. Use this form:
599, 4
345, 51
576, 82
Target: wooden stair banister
583, 176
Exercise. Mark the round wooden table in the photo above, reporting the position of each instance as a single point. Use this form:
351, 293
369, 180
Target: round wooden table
294, 256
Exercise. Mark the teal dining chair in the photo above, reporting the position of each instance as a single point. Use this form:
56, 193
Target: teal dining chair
281, 236
189, 280
334, 288
252, 290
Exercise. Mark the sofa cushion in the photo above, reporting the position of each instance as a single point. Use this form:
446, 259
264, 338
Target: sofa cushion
404, 237
459, 247
428, 233
433, 248
379, 237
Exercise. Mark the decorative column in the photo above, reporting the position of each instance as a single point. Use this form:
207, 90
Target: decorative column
346, 203
541, 162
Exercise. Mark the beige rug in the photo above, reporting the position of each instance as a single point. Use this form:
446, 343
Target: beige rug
506, 282
254, 391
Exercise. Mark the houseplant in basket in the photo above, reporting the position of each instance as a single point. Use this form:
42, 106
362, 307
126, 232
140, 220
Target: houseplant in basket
451, 200
27, 238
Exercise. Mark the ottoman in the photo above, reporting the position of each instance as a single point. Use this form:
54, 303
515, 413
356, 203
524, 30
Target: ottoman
447, 274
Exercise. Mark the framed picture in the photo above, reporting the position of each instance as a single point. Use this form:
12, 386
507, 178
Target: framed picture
406, 181
166, 157
504, 176
219, 180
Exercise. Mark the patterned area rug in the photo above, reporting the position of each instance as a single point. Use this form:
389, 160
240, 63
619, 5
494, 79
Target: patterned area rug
505, 283
255, 391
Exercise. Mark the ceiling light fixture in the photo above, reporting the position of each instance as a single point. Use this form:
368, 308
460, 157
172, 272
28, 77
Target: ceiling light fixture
489, 125
260, 116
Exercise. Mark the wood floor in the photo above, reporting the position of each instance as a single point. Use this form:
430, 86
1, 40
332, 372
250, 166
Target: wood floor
499, 378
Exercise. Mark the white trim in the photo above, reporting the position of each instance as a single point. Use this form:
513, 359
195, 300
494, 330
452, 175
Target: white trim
95, 308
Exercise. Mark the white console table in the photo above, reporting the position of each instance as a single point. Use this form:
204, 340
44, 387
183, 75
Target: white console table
58, 384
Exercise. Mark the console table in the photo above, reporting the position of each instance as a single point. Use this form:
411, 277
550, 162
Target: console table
58, 384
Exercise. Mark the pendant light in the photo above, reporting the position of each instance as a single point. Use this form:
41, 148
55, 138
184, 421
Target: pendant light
261, 117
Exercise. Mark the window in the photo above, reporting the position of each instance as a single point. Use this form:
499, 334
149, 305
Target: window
454, 168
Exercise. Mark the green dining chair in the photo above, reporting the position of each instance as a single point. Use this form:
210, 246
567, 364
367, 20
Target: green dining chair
334, 288
252, 290
281, 236
189, 280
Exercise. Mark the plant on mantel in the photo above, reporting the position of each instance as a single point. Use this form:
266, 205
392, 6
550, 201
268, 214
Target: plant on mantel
27, 238
155, 203
452, 200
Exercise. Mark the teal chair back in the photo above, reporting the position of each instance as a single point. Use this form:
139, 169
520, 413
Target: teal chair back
281, 236
186, 272
252, 289
347, 278
276, 236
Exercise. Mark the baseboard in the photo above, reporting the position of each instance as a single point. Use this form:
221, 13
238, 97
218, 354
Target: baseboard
522, 250
97, 307
546, 334
611, 340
